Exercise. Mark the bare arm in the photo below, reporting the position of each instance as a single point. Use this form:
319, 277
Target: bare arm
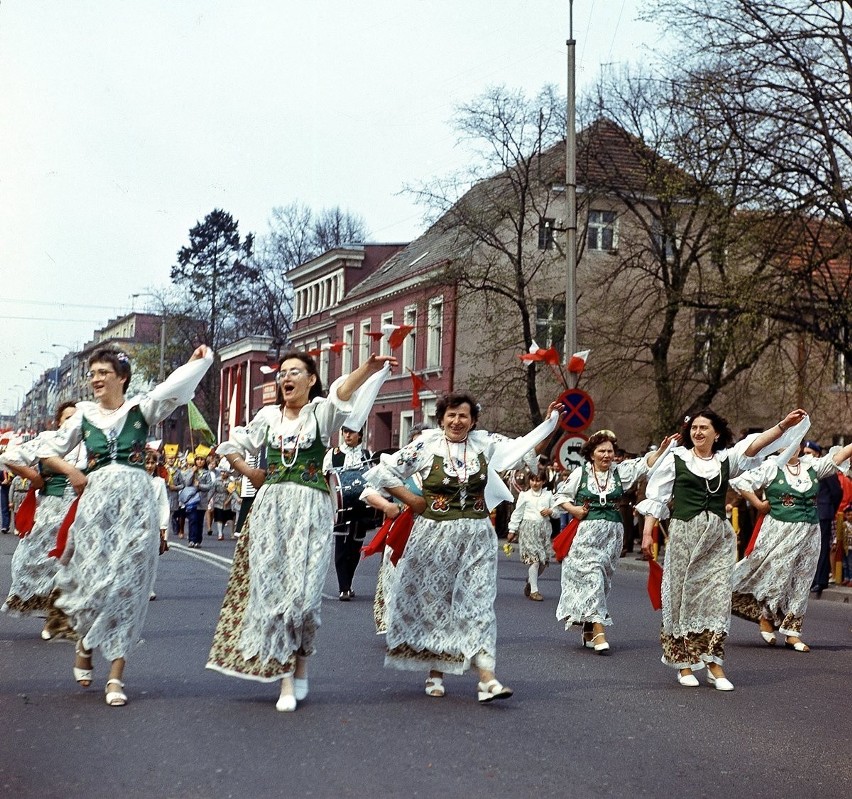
664, 445
255, 476
765, 438
355, 379
406, 495
27, 472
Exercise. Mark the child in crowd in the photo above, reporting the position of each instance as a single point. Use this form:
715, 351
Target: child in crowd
531, 521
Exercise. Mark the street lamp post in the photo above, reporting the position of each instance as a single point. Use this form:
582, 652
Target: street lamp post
571, 195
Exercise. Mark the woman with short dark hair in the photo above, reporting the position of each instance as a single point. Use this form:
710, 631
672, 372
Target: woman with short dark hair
440, 613
110, 563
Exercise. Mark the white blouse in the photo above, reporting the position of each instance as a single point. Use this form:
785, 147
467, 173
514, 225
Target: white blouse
176, 390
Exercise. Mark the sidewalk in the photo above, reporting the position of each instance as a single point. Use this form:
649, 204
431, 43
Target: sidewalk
834, 593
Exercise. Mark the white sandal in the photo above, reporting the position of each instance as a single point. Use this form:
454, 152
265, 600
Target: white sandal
83, 676
599, 648
287, 700
768, 637
115, 698
435, 686
491, 690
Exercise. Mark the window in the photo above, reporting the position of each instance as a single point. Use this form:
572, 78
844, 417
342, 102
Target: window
387, 319
323, 362
545, 233
435, 332
550, 324
601, 234
406, 422
365, 343
348, 355
409, 344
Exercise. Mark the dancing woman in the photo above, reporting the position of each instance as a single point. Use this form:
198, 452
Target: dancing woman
271, 610
772, 584
110, 562
441, 609
592, 497
701, 547
33, 570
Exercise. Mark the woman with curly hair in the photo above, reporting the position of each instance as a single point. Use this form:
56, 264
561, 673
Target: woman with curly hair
591, 496
701, 547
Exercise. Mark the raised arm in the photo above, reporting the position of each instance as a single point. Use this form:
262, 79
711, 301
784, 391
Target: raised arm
355, 379
764, 439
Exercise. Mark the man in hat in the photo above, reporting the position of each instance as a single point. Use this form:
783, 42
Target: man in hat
828, 502
349, 461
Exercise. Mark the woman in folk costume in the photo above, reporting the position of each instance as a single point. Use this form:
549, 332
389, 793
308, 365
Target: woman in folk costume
772, 583
701, 546
33, 569
591, 496
530, 521
271, 610
110, 561
441, 609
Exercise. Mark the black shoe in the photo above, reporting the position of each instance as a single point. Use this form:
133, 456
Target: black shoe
345, 596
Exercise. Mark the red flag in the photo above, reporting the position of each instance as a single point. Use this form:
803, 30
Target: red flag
375, 336
562, 542
655, 584
268, 370
62, 533
315, 351
549, 355
396, 334
753, 539
335, 346
417, 383
25, 516
577, 362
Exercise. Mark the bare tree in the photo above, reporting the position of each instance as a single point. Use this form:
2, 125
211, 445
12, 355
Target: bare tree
495, 209
778, 73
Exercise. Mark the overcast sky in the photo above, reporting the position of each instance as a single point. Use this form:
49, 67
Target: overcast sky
123, 124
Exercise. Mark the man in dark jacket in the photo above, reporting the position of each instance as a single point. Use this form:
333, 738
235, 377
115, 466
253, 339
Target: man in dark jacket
828, 502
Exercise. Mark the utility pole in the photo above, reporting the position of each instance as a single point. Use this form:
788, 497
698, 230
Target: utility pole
571, 195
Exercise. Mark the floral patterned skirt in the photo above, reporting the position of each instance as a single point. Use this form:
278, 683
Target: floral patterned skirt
271, 610
440, 612
697, 583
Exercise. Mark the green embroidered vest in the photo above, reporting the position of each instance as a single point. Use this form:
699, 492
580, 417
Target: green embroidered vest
128, 447
788, 504
305, 469
606, 510
694, 494
448, 500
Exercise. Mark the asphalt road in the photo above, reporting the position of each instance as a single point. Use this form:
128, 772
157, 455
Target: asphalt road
579, 724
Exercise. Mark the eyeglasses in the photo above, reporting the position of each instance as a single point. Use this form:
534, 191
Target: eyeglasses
101, 373
291, 373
